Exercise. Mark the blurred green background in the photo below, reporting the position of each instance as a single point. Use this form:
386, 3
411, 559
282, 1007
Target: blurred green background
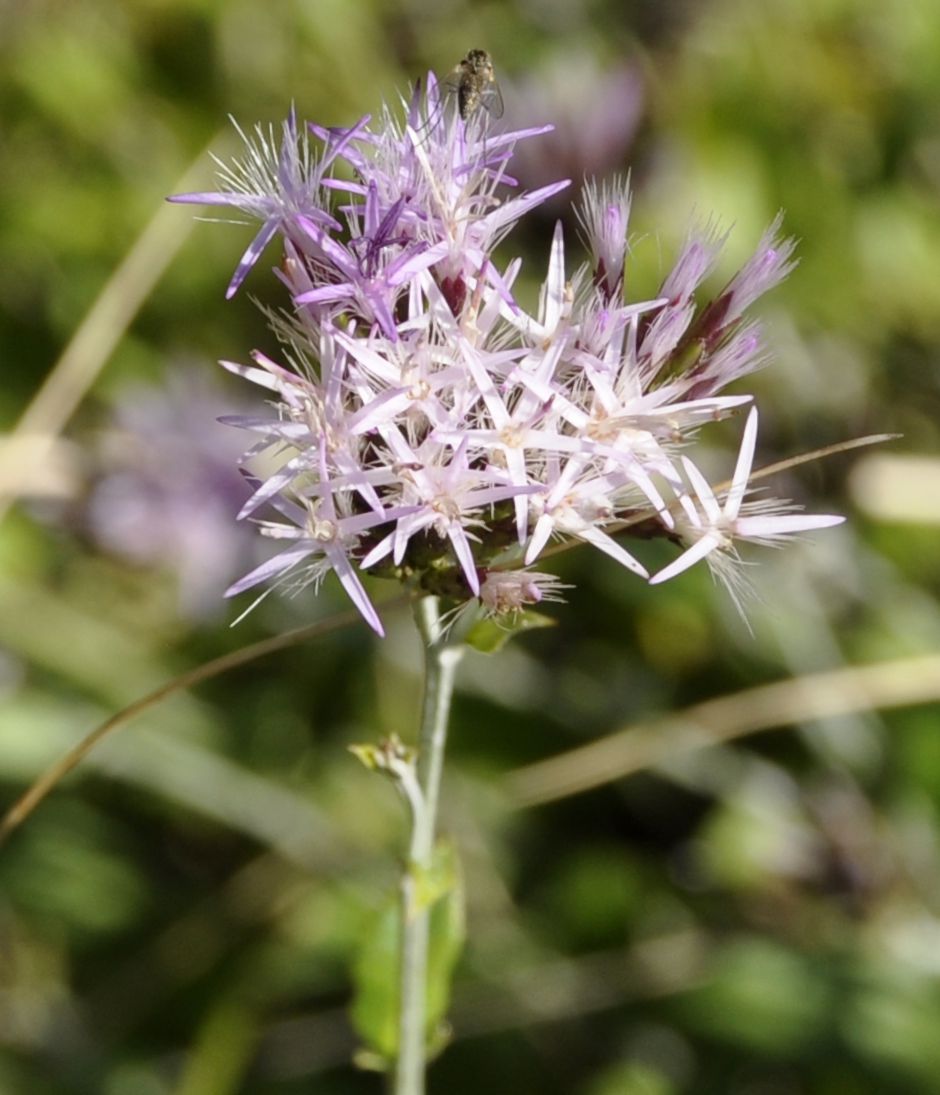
757, 917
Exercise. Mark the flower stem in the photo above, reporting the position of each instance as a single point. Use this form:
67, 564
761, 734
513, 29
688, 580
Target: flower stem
440, 666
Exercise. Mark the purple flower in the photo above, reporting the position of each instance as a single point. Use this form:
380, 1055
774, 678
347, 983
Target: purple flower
274, 183
594, 111
431, 427
604, 216
711, 528
169, 489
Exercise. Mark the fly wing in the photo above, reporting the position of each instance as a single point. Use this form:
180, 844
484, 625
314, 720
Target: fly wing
436, 100
491, 99
452, 81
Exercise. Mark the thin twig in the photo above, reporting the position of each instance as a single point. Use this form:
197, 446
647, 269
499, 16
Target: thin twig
34, 795
901, 683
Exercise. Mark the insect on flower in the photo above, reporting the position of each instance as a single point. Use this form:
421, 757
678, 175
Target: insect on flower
473, 82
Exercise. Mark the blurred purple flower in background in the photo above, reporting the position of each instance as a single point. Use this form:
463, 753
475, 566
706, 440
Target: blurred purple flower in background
594, 111
169, 488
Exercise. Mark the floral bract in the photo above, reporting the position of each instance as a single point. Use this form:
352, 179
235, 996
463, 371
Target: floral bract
425, 426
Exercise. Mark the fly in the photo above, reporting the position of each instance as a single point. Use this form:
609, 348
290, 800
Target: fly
473, 82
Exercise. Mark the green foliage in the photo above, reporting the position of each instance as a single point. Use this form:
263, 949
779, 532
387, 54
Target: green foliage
491, 634
375, 1012
631, 1079
762, 997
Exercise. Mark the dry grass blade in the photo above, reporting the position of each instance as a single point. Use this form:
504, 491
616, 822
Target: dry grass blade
34, 795
94, 340
821, 454
901, 683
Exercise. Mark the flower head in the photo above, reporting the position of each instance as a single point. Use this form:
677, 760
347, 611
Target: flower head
428, 425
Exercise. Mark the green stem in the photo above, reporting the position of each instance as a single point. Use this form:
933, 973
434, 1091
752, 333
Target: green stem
440, 667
